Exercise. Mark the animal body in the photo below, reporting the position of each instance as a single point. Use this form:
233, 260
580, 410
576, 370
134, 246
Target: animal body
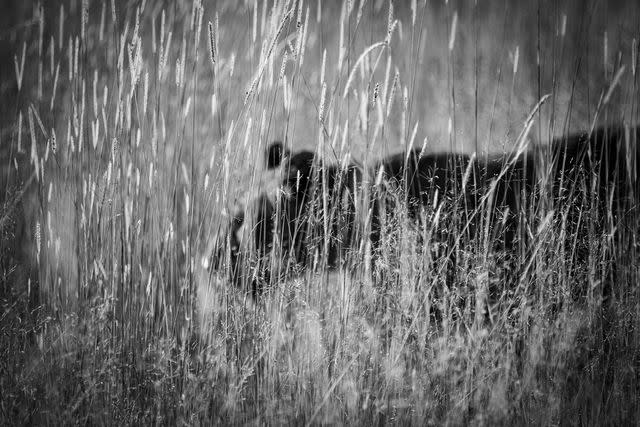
497, 199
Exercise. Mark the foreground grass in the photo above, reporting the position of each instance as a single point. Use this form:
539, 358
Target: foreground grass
130, 141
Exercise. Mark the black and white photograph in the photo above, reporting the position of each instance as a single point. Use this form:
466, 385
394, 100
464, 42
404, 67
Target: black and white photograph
320, 212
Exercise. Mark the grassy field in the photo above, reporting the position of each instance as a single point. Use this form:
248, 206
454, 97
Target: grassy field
132, 130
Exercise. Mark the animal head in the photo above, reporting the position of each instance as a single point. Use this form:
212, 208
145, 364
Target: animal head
309, 217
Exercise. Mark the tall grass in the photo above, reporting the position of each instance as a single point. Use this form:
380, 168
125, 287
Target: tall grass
135, 130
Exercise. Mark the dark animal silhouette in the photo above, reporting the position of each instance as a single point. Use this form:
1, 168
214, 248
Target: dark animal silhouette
416, 181
312, 222
577, 174
573, 172
495, 198
585, 184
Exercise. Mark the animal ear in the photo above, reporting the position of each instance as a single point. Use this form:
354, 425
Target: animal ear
275, 154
